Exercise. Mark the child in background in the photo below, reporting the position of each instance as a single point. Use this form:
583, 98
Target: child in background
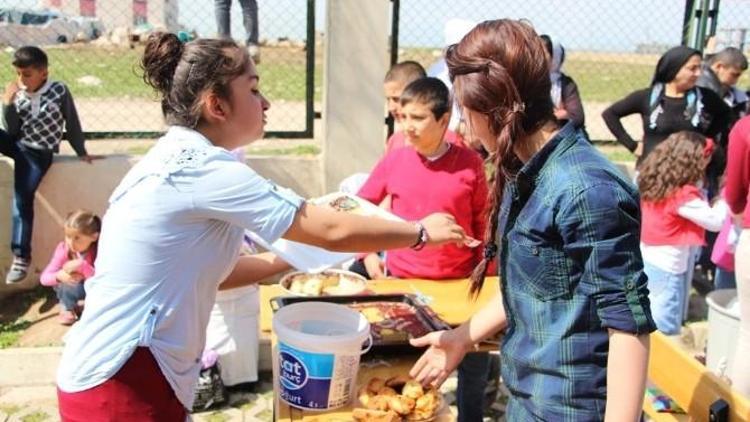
36, 110
433, 176
675, 217
453, 30
73, 262
396, 79
564, 93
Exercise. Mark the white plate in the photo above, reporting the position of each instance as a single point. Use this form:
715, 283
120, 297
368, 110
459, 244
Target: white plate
303, 257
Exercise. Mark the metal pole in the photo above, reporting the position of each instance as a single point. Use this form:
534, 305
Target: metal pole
310, 70
395, 15
687, 22
700, 38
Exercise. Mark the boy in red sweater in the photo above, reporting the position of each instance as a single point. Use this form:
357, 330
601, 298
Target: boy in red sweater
434, 175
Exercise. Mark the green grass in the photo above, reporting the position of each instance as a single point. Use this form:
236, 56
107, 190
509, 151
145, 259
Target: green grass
217, 417
12, 311
297, 150
607, 81
616, 153
598, 80
282, 72
10, 332
9, 409
37, 416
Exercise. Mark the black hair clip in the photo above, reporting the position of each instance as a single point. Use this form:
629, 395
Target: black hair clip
490, 251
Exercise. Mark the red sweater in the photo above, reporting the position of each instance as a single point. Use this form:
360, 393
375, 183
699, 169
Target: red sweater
738, 170
661, 225
455, 184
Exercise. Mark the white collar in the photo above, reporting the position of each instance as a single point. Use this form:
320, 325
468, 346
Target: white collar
42, 89
184, 133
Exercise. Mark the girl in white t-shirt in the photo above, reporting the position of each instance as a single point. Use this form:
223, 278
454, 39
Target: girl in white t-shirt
172, 233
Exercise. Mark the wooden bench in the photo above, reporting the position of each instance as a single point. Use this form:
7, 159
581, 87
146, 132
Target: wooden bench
690, 384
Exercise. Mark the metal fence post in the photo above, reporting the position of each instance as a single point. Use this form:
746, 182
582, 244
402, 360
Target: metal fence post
310, 70
687, 22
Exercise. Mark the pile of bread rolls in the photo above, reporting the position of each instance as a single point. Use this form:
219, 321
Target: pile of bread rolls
396, 399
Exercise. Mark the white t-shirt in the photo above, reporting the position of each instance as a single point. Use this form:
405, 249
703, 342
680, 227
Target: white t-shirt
171, 234
674, 258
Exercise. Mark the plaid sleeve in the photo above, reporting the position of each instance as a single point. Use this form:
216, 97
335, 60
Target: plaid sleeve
600, 227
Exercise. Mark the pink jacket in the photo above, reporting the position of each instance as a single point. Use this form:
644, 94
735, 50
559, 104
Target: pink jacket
59, 258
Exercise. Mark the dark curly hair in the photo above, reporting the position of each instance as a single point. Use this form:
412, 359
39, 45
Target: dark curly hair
180, 73
677, 161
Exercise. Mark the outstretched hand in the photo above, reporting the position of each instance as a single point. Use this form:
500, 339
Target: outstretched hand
375, 266
442, 228
90, 158
444, 354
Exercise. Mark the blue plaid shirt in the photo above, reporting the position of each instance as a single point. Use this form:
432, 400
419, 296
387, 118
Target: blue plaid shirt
571, 269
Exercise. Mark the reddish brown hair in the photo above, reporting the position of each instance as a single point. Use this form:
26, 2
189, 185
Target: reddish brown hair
501, 69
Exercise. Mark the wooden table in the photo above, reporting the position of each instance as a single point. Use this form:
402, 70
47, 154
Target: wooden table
449, 299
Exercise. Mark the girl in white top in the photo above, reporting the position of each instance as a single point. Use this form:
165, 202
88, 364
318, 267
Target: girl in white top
172, 233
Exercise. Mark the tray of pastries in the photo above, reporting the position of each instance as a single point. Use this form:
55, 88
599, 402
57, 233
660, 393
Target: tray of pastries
396, 399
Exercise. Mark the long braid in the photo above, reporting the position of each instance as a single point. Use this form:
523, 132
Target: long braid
500, 70
505, 163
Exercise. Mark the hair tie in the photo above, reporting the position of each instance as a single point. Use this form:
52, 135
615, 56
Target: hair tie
490, 251
708, 149
518, 107
184, 36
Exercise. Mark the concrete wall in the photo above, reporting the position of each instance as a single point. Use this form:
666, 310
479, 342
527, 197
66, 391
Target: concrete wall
72, 184
353, 104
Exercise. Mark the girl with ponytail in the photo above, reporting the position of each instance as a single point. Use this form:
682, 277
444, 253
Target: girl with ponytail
564, 224
172, 234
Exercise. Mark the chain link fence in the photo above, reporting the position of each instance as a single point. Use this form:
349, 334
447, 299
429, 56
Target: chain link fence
611, 46
94, 46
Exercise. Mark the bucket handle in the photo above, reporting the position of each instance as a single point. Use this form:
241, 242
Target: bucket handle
369, 345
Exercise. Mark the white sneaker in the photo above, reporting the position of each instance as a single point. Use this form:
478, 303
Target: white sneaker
18, 270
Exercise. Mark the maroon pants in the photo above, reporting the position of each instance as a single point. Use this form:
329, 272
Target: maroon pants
137, 392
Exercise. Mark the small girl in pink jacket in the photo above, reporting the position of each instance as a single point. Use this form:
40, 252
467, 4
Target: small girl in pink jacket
73, 262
